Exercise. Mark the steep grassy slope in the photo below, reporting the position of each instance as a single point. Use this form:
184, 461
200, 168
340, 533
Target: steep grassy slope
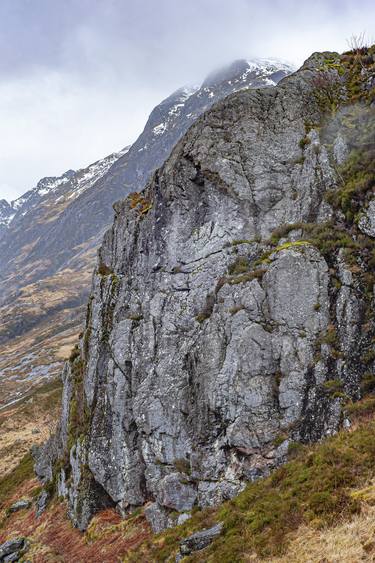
49, 316
318, 507
324, 490
27, 422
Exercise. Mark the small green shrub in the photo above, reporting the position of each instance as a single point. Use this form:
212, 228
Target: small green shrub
329, 337
333, 385
279, 439
304, 142
240, 266
182, 465
246, 277
136, 317
74, 354
207, 309
104, 270
361, 409
237, 242
368, 357
236, 309
368, 383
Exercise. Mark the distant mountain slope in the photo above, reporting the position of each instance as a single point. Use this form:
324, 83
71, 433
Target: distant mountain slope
6, 215
30, 228
49, 236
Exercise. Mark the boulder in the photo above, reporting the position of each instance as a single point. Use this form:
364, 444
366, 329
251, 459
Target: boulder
20, 505
41, 503
176, 494
367, 221
200, 540
12, 549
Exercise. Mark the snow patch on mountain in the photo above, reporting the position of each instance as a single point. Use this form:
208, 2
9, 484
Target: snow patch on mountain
68, 186
6, 213
85, 178
239, 74
159, 129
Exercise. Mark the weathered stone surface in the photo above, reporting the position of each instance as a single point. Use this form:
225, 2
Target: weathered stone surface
340, 149
12, 549
50, 234
20, 505
42, 462
367, 221
12, 557
183, 518
200, 540
207, 352
175, 493
158, 517
41, 503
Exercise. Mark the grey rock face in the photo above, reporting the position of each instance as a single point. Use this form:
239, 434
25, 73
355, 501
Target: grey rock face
175, 493
42, 502
49, 235
200, 540
340, 149
20, 505
12, 549
43, 462
367, 221
158, 518
206, 349
12, 557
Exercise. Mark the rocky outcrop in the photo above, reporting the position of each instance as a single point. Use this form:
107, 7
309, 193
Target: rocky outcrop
20, 505
216, 334
49, 236
41, 503
198, 541
367, 221
12, 550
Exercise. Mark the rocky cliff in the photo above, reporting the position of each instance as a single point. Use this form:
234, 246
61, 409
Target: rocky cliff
231, 312
49, 236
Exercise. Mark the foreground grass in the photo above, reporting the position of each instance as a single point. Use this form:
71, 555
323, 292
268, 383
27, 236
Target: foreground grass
11, 482
313, 491
311, 505
349, 541
28, 422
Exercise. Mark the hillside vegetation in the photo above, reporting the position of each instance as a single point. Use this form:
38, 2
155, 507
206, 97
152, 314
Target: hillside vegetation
317, 507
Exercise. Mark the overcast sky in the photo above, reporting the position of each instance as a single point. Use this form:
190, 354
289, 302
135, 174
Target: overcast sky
78, 78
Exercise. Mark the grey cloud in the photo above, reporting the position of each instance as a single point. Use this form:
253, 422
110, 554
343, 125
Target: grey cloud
78, 77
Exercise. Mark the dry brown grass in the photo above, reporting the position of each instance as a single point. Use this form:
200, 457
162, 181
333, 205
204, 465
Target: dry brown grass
27, 423
52, 537
348, 542
47, 316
